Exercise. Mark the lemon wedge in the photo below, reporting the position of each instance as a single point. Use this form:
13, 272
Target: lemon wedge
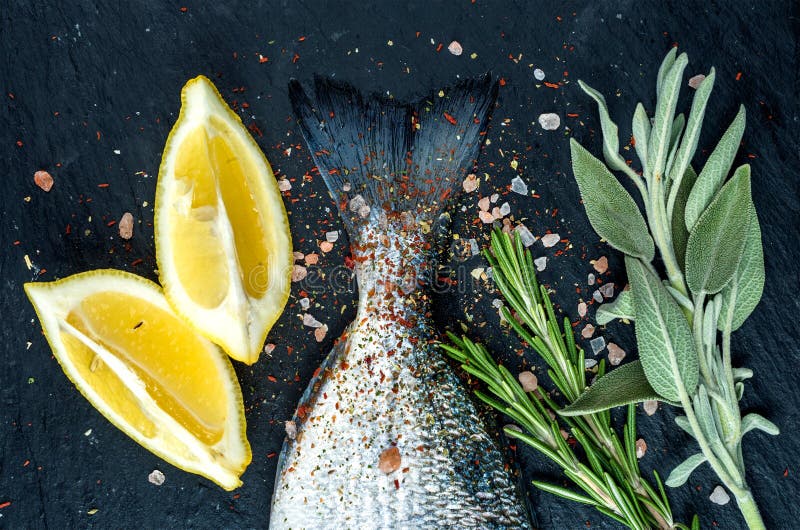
223, 245
139, 364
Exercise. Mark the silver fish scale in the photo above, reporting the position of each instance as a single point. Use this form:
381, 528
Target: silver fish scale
386, 385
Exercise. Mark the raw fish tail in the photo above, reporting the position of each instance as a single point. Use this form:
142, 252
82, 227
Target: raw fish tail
380, 157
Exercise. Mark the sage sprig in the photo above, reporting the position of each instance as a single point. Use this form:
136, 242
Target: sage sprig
707, 234
609, 474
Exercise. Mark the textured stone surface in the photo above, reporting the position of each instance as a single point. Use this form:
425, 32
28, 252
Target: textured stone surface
90, 91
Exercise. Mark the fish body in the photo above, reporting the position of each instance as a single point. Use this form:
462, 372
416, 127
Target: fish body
387, 436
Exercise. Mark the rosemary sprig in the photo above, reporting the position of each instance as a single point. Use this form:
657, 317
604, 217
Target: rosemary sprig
609, 475
708, 237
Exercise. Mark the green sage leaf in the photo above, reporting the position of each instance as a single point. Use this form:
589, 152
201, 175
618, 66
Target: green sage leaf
714, 172
621, 307
611, 209
740, 374
743, 293
662, 334
610, 130
683, 423
693, 126
716, 242
757, 421
681, 473
679, 233
624, 385
641, 134
677, 129
658, 148
666, 66
705, 416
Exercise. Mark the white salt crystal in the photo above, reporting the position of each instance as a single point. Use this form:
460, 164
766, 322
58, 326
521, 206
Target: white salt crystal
590, 279
284, 185
597, 296
476, 272
291, 429
582, 309
549, 121
541, 263
607, 290
332, 237
497, 303
310, 321
305, 303
356, 203
549, 240
455, 48
494, 197
473, 247
525, 235
156, 477
505, 209
518, 186
650, 406
538, 74
589, 363
719, 496
597, 345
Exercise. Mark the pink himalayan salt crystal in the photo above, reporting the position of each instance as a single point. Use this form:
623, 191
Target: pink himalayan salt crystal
470, 183
483, 204
528, 381
299, 273
455, 48
582, 309
284, 185
320, 332
298, 255
549, 240
312, 259
601, 264
615, 354
486, 217
43, 179
696, 81
588, 331
641, 448
650, 407
126, 226
310, 321
326, 246
389, 460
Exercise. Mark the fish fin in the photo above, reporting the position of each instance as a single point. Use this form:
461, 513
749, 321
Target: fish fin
378, 155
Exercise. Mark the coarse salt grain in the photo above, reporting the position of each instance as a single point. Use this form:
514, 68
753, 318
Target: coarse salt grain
43, 179
549, 240
696, 81
538, 74
389, 460
587, 331
615, 354
518, 186
310, 321
284, 185
299, 273
505, 209
607, 290
126, 226
582, 309
597, 345
541, 263
473, 247
590, 279
525, 235
312, 259
483, 204
297, 255
470, 183
596, 296
641, 448
719, 496
326, 246
291, 429
601, 264
650, 407
305, 303
494, 197
320, 332
156, 477
332, 236
549, 121
455, 48
486, 217
589, 363
528, 380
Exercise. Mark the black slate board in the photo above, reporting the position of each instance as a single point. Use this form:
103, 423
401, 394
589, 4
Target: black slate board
83, 79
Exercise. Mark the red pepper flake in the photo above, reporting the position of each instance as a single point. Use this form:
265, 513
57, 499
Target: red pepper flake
295, 58
103, 185
19, 143
551, 85
439, 47
272, 378
184, 9
572, 115
5, 505
262, 58
738, 76
396, 484
502, 81
26, 463
785, 474
136, 262
272, 455
301, 39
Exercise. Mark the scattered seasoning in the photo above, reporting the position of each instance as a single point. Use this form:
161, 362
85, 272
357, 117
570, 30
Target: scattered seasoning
719, 496
92, 511
389, 460
5, 504
615, 354
650, 407
450, 118
156, 477
641, 448
600, 264
126, 226
455, 48
43, 179
528, 380
471, 183
549, 121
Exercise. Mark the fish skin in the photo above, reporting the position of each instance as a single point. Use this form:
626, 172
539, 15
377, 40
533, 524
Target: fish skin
386, 384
